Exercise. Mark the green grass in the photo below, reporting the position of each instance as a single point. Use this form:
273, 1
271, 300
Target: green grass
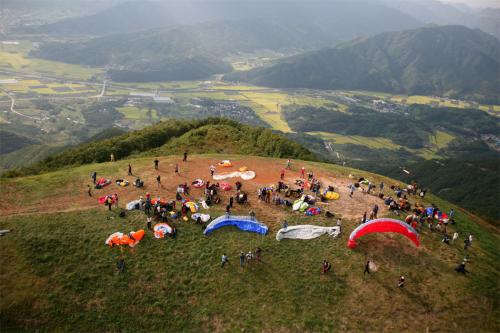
136, 113
372, 142
19, 62
56, 274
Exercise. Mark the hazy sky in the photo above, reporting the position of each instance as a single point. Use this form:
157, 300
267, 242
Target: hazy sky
477, 3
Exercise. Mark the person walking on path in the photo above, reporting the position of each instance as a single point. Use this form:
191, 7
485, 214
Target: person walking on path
89, 190
129, 169
282, 174
375, 211
185, 158
158, 181
156, 163
94, 177
352, 187
224, 260
367, 267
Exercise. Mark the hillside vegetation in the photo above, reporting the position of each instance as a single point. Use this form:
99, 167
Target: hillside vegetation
211, 135
445, 61
57, 274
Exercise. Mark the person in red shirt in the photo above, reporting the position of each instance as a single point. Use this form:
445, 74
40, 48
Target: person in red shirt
282, 174
302, 172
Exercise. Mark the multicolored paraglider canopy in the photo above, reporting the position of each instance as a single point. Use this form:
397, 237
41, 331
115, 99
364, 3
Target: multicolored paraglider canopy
161, 230
383, 225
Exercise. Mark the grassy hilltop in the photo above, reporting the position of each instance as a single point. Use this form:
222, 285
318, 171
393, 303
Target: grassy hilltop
58, 275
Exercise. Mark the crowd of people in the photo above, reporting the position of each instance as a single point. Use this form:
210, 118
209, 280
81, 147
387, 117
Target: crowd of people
397, 201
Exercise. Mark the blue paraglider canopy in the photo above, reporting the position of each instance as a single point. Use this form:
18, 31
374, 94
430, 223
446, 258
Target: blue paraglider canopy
245, 223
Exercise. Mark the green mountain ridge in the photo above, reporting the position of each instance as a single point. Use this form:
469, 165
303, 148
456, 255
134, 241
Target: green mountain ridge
446, 61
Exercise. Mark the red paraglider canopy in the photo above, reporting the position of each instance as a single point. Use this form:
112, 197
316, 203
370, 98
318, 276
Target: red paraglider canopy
383, 225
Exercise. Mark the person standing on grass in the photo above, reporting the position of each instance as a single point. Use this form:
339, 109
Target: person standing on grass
282, 174
176, 171
158, 180
288, 165
381, 187
115, 198
129, 170
224, 260
242, 259
302, 172
258, 253
231, 201
185, 157
367, 267
156, 163
89, 190
326, 266
148, 225
285, 225
94, 177
401, 281
109, 202
339, 224
112, 157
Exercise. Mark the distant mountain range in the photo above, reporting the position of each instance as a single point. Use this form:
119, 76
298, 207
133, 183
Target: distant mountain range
343, 19
446, 61
193, 51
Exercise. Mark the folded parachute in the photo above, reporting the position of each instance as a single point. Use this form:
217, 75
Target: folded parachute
245, 223
135, 204
131, 239
330, 195
161, 230
245, 175
306, 232
198, 183
102, 182
203, 217
383, 225
225, 163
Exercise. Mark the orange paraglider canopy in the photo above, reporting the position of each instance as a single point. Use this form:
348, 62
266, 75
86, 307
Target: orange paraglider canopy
131, 239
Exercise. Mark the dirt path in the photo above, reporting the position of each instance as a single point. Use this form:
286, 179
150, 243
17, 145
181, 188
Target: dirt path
73, 195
